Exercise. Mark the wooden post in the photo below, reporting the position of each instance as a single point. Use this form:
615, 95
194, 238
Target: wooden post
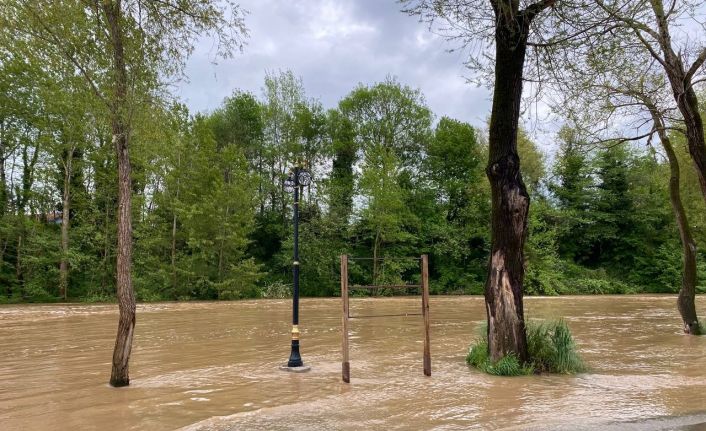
345, 364
425, 313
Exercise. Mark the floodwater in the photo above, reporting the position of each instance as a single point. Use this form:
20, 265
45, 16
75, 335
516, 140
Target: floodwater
204, 366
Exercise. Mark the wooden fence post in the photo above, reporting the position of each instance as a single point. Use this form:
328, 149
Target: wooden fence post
345, 364
425, 313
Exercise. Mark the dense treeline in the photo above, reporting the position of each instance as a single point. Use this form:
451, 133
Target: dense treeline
212, 220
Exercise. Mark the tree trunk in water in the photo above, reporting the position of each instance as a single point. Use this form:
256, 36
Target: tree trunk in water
687, 293
126, 297
65, 216
510, 200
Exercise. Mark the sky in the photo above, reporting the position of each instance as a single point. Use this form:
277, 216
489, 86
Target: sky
334, 45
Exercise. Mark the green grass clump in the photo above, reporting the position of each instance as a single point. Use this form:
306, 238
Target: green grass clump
550, 346
506, 366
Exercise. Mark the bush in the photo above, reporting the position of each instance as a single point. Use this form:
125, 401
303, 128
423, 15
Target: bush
277, 290
97, 296
550, 346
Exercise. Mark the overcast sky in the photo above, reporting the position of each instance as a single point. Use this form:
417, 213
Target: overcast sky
335, 45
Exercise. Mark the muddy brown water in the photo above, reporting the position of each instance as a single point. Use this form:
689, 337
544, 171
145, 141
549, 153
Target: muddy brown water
203, 366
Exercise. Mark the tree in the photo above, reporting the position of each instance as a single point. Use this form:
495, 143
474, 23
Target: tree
574, 187
142, 41
458, 230
681, 59
392, 116
345, 155
533, 171
391, 127
632, 86
512, 26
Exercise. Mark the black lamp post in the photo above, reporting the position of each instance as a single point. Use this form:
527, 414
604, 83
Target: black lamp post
299, 178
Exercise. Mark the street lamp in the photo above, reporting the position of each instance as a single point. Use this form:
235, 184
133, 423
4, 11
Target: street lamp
300, 177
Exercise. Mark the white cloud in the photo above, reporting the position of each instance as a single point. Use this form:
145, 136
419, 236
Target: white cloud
336, 20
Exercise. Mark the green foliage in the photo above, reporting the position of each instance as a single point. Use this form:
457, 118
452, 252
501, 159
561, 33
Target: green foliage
551, 349
507, 366
544, 273
277, 290
212, 219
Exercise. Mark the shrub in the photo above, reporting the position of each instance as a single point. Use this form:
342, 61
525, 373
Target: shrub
277, 290
550, 346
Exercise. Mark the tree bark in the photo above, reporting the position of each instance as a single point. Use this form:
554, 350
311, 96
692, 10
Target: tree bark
3, 178
173, 253
376, 247
510, 200
689, 107
684, 95
106, 249
120, 129
687, 294
65, 216
221, 247
174, 230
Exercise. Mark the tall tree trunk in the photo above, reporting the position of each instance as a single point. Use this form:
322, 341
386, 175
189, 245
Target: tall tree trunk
28, 164
689, 107
18, 261
510, 200
259, 179
341, 194
687, 293
120, 129
174, 230
685, 97
221, 247
106, 249
173, 254
3, 175
376, 247
65, 216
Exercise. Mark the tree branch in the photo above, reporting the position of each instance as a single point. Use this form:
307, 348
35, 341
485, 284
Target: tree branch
535, 8
695, 66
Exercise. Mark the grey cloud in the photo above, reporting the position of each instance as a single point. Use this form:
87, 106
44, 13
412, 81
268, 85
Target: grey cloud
334, 46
